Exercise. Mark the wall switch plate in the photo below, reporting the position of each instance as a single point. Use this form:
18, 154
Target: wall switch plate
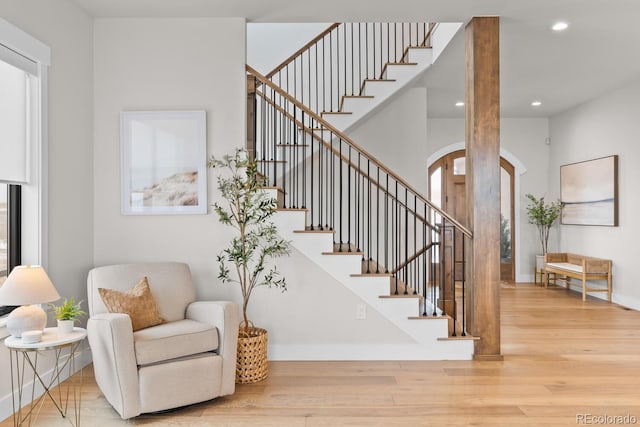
361, 311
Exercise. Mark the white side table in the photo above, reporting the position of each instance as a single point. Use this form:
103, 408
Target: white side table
24, 358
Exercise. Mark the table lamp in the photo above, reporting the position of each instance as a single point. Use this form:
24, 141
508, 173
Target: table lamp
27, 284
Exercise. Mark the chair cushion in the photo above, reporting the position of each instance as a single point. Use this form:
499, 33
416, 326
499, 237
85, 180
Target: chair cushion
174, 339
137, 302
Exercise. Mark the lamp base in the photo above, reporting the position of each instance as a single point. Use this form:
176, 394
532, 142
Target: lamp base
26, 318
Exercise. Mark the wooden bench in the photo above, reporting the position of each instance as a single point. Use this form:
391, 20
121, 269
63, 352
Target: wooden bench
578, 267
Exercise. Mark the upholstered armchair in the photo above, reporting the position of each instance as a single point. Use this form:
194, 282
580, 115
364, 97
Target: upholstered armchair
190, 357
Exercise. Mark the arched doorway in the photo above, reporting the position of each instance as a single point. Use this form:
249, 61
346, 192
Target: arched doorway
447, 177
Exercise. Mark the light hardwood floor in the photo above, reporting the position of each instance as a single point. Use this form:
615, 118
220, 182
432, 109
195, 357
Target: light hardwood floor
562, 358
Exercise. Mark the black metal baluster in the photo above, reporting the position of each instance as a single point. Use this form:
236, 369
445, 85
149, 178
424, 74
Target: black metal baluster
463, 326
397, 245
424, 262
415, 246
330, 72
454, 265
366, 47
406, 240
378, 222
386, 226
353, 66
357, 206
373, 51
304, 164
369, 216
340, 195
324, 91
314, 138
320, 181
349, 203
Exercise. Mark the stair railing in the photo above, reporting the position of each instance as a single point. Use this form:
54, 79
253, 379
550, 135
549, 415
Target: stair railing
369, 209
337, 61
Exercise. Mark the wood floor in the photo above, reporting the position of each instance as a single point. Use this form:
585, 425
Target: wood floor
563, 359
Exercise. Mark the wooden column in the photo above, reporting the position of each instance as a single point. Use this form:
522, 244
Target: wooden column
482, 102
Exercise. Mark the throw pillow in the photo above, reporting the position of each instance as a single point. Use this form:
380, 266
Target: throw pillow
137, 302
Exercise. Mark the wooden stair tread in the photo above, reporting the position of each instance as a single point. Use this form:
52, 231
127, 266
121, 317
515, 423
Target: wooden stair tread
400, 296
335, 112
271, 161
292, 145
379, 80
459, 338
315, 231
442, 316
371, 275
359, 96
292, 210
401, 63
348, 246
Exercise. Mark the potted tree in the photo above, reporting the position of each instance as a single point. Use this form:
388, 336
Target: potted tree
66, 314
543, 215
248, 209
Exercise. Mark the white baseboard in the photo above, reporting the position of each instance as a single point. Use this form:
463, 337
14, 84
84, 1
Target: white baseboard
82, 359
325, 352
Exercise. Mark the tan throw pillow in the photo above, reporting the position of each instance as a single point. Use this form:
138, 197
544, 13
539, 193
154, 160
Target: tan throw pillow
137, 302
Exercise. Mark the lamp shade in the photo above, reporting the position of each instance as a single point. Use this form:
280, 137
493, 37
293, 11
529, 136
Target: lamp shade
27, 284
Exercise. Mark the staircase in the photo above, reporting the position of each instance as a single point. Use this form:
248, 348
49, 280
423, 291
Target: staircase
342, 208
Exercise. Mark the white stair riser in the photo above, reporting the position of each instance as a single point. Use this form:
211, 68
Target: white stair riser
420, 55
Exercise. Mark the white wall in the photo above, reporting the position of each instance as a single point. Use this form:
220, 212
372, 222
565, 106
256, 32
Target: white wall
68, 31
396, 134
155, 64
602, 127
270, 44
522, 141
164, 64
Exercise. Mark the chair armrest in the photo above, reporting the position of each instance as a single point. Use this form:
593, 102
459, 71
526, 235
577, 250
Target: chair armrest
114, 361
224, 315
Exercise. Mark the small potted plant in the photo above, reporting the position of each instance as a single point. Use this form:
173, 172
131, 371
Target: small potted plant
66, 314
248, 209
543, 215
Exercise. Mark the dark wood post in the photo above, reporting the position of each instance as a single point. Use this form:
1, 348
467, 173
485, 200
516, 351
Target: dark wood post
482, 58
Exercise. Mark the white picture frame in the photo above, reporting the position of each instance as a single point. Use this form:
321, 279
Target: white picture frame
163, 162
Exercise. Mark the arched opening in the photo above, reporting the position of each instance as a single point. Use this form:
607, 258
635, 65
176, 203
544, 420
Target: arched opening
447, 176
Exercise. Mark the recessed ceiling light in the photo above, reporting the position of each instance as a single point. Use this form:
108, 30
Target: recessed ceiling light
560, 26
536, 103
459, 104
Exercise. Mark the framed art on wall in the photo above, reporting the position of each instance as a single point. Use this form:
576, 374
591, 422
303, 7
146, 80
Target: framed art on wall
589, 192
163, 162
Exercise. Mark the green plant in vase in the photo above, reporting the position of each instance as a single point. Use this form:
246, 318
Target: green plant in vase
67, 313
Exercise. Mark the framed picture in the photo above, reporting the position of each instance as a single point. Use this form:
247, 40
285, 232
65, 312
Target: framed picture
589, 192
164, 161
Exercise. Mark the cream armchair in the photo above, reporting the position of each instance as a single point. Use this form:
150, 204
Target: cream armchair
190, 358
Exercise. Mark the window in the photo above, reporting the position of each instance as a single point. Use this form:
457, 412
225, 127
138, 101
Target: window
24, 63
10, 233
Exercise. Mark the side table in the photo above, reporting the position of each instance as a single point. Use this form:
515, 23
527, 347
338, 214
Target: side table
24, 358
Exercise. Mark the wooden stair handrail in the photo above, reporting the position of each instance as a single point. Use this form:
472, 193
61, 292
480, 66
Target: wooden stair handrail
413, 257
350, 142
302, 49
345, 159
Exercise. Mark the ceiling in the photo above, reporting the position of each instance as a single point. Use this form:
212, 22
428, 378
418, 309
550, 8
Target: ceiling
597, 53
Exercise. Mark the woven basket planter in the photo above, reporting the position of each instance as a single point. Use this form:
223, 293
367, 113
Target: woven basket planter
252, 364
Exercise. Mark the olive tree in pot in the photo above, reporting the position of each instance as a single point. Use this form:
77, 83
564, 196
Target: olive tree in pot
543, 215
248, 208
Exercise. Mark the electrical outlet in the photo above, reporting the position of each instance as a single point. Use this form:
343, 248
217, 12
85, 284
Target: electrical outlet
361, 311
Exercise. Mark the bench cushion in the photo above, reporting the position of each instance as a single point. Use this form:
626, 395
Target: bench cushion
174, 339
565, 266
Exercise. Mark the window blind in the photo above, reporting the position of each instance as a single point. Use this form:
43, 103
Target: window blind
16, 73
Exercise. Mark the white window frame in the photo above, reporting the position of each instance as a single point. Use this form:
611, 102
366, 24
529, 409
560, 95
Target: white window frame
35, 192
